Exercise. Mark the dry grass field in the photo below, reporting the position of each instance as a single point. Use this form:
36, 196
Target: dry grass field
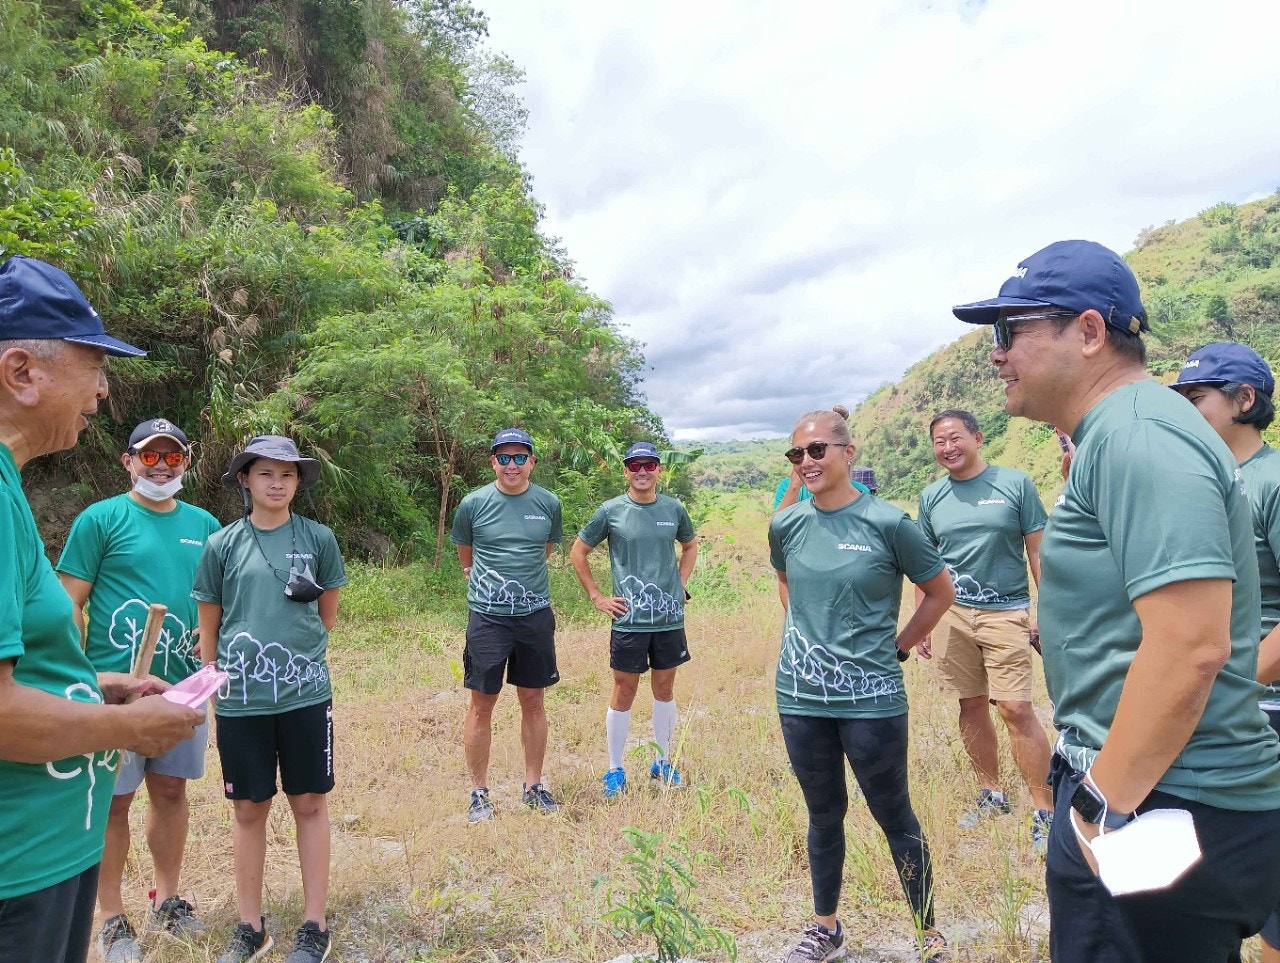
412, 881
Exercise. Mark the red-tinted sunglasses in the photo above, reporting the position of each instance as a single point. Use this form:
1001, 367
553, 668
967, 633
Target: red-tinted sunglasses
635, 466
173, 459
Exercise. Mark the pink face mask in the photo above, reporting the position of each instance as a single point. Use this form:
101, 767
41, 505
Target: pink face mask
196, 689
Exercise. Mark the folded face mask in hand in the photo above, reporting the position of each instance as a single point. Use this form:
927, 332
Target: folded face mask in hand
196, 689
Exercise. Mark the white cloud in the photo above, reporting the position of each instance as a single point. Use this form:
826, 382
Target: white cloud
782, 201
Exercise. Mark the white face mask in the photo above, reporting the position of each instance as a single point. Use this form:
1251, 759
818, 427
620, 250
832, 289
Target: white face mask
1151, 852
157, 493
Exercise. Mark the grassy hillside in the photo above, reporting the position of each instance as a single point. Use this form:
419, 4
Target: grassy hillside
1213, 277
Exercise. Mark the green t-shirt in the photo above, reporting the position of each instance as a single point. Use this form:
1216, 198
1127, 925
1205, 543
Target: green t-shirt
844, 580
273, 648
508, 535
135, 556
642, 558
1262, 481
978, 526
53, 816
1153, 498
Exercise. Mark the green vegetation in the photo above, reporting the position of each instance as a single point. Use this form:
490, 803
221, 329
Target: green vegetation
310, 212
1214, 277
740, 465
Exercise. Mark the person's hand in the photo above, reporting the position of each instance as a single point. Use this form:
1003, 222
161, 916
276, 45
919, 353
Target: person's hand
611, 605
1033, 636
117, 687
925, 647
157, 725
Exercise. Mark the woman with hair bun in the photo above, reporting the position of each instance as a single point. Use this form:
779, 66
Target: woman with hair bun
840, 558
791, 489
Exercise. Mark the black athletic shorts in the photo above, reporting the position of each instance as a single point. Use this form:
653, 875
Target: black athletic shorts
638, 652
51, 925
522, 645
299, 742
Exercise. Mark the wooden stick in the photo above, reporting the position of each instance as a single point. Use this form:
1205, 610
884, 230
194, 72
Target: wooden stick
147, 647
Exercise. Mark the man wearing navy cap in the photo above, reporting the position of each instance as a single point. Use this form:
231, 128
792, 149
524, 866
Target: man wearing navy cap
647, 605
504, 533
122, 554
61, 724
1149, 613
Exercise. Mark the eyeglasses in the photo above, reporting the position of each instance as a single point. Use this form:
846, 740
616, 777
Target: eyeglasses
173, 459
1002, 330
635, 466
505, 459
817, 450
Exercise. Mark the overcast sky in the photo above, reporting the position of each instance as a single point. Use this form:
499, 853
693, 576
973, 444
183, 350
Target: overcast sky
782, 200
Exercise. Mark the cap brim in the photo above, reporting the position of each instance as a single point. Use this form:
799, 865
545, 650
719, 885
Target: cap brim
988, 312
110, 345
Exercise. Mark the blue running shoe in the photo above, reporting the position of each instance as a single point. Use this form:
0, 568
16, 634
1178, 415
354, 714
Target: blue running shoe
615, 782
666, 773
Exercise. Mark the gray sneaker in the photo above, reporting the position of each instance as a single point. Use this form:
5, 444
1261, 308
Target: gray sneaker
1041, 823
117, 941
817, 945
312, 945
538, 798
175, 915
989, 803
247, 944
481, 808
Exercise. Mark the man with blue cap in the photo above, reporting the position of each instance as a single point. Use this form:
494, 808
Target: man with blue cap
1165, 775
1232, 387
504, 533
62, 725
642, 528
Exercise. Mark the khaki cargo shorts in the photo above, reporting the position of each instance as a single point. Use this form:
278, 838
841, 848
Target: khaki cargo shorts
984, 652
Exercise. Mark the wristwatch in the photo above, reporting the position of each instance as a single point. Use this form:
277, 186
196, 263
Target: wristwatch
1091, 805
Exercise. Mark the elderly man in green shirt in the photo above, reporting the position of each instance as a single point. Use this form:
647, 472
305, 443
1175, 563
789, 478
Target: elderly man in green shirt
1149, 614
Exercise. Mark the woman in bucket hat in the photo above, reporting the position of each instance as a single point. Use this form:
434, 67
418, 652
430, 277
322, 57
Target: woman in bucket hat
267, 589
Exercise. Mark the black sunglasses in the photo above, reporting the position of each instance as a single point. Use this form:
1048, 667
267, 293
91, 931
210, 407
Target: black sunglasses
1002, 330
817, 450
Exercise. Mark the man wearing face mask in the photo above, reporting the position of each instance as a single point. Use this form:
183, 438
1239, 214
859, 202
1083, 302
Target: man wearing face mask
123, 554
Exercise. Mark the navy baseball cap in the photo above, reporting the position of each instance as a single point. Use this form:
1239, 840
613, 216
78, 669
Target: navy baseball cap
149, 431
39, 302
1075, 275
641, 449
511, 436
1224, 361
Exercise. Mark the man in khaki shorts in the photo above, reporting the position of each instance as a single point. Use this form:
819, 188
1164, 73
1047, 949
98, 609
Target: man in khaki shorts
981, 518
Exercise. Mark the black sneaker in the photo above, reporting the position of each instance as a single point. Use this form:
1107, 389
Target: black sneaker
818, 944
175, 915
312, 945
538, 798
118, 942
247, 944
